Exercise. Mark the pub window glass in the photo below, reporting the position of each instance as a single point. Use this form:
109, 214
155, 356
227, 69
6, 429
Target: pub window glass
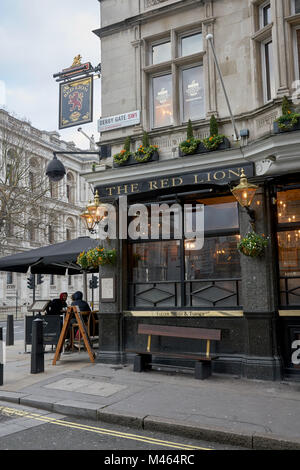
162, 100
288, 213
155, 261
193, 93
161, 52
191, 44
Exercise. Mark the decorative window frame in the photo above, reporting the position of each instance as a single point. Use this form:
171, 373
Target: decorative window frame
172, 67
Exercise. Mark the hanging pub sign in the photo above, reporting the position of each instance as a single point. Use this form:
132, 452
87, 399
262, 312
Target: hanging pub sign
76, 95
76, 102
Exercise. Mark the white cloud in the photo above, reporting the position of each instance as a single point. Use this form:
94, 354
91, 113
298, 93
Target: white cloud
40, 42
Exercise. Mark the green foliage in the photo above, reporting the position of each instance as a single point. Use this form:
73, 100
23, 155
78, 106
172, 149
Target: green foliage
190, 133
213, 126
145, 140
96, 257
127, 144
252, 245
285, 106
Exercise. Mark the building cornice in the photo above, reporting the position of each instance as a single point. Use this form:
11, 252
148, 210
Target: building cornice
146, 16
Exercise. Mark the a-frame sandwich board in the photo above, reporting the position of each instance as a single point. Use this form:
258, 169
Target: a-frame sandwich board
83, 332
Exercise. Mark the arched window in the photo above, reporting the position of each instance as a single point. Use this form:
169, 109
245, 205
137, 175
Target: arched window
70, 229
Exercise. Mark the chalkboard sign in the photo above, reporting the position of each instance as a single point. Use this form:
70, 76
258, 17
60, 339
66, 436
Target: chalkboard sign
52, 325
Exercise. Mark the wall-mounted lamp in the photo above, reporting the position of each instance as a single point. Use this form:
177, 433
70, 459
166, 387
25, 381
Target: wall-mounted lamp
244, 194
93, 214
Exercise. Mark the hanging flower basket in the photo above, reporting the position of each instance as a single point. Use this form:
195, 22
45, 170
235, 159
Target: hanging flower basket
252, 245
97, 257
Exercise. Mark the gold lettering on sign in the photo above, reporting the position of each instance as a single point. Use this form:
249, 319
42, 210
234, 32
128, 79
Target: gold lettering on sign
110, 190
177, 181
124, 188
234, 173
153, 185
134, 187
223, 175
164, 183
196, 180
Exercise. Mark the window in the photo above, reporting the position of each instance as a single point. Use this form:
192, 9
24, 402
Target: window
162, 101
52, 279
268, 71
9, 279
161, 53
176, 79
297, 51
288, 213
193, 93
265, 14
295, 6
173, 273
70, 188
31, 232
51, 234
191, 44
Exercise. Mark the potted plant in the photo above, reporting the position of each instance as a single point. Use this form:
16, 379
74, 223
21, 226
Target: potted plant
215, 141
123, 156
146, 152
190, 145
252, 245
288, 121
96, 257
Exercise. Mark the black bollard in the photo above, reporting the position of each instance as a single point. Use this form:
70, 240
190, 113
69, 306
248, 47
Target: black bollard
1, 356
10, 330
37, 348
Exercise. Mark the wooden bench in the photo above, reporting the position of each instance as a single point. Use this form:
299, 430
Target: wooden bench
203, 361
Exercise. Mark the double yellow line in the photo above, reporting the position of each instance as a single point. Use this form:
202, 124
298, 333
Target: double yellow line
135, 437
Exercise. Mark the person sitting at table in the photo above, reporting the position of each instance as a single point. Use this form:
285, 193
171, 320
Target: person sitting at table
57, 306
78, 302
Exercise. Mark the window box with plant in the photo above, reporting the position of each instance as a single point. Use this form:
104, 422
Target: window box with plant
96, 257
215, 141
252, 245
288, 121
190, 145
146, 152
124, 155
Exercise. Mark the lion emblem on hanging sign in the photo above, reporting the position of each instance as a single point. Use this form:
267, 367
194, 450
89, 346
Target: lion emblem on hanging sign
77, 60
75, 101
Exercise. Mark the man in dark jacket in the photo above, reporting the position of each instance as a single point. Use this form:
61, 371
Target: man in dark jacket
57, 306
81, 304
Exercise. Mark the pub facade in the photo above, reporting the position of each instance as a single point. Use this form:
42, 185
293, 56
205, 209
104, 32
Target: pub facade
159, 78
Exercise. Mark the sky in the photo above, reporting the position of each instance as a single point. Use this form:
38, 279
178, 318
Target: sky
39, 38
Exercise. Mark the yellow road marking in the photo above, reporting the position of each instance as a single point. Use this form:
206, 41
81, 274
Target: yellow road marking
97, 430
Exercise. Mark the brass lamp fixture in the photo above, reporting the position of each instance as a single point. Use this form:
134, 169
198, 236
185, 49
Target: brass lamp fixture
244, 194
92, 215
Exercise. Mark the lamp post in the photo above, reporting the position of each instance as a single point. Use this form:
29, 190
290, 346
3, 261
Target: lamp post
244, 193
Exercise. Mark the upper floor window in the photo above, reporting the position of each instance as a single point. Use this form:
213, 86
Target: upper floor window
295, 6
268, 71
191, 44
265, 14
176, 79
161, 52
192, 93
162, 100
9, 278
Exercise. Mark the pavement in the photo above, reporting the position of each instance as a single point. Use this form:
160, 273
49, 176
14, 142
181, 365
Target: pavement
225, 409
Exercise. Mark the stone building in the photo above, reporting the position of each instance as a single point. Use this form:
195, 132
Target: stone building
55, 210
158, 72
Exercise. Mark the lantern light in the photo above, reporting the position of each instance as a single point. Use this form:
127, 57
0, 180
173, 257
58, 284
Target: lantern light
244, 194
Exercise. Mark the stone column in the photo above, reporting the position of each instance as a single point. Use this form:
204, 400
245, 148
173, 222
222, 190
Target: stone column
110, 316
280, 50
259, 290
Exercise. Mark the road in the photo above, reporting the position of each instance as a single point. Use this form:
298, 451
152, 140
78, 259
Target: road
24, 428
18, 329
